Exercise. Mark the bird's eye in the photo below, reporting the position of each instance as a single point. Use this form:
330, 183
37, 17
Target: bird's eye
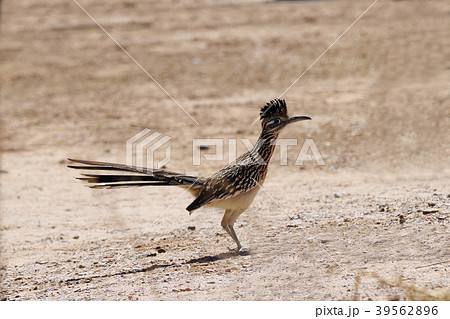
272, 122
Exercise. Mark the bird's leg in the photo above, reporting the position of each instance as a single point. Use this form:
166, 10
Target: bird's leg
227, 230
232, 233
235, 238
225, 219
227, 223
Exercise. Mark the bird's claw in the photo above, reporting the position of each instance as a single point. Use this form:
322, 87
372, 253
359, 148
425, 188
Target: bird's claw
239, 249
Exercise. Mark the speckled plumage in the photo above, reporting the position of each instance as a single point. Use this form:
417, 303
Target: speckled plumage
233, 187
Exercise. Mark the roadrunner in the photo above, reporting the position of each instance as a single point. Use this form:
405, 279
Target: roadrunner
233, 187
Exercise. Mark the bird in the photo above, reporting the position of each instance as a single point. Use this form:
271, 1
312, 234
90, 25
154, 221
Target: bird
232, 188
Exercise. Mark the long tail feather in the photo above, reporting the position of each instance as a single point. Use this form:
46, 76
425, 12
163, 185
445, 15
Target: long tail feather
122, 185
140, 176
94, 178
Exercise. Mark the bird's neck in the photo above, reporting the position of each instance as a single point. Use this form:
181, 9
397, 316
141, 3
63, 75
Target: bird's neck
265, 146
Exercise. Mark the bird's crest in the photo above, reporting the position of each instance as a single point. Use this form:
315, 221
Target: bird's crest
273, 108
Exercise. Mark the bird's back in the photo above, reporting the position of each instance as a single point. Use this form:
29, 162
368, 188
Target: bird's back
239, 177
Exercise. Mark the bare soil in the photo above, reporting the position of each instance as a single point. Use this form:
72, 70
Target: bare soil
380, 103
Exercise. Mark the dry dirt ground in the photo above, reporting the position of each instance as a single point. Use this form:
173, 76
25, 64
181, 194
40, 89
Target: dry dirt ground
380, 103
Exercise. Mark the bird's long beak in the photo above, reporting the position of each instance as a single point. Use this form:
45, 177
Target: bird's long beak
294, 119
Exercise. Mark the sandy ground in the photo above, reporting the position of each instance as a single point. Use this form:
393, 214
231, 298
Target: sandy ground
380, 103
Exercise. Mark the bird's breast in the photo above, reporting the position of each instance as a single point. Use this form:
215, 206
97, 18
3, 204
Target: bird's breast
241, 201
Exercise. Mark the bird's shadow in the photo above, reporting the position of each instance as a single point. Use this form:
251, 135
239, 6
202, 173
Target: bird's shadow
200, 260
210, 259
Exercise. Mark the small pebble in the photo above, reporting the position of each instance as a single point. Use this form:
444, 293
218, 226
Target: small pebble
191, 227
337, 195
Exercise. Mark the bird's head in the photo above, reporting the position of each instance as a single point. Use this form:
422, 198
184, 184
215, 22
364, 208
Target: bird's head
274, 116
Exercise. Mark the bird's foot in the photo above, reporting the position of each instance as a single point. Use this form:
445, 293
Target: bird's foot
239, 249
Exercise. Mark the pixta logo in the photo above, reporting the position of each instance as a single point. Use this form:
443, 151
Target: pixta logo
141, 147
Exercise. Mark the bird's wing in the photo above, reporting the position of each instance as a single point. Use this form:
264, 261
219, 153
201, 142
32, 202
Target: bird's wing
227, 183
